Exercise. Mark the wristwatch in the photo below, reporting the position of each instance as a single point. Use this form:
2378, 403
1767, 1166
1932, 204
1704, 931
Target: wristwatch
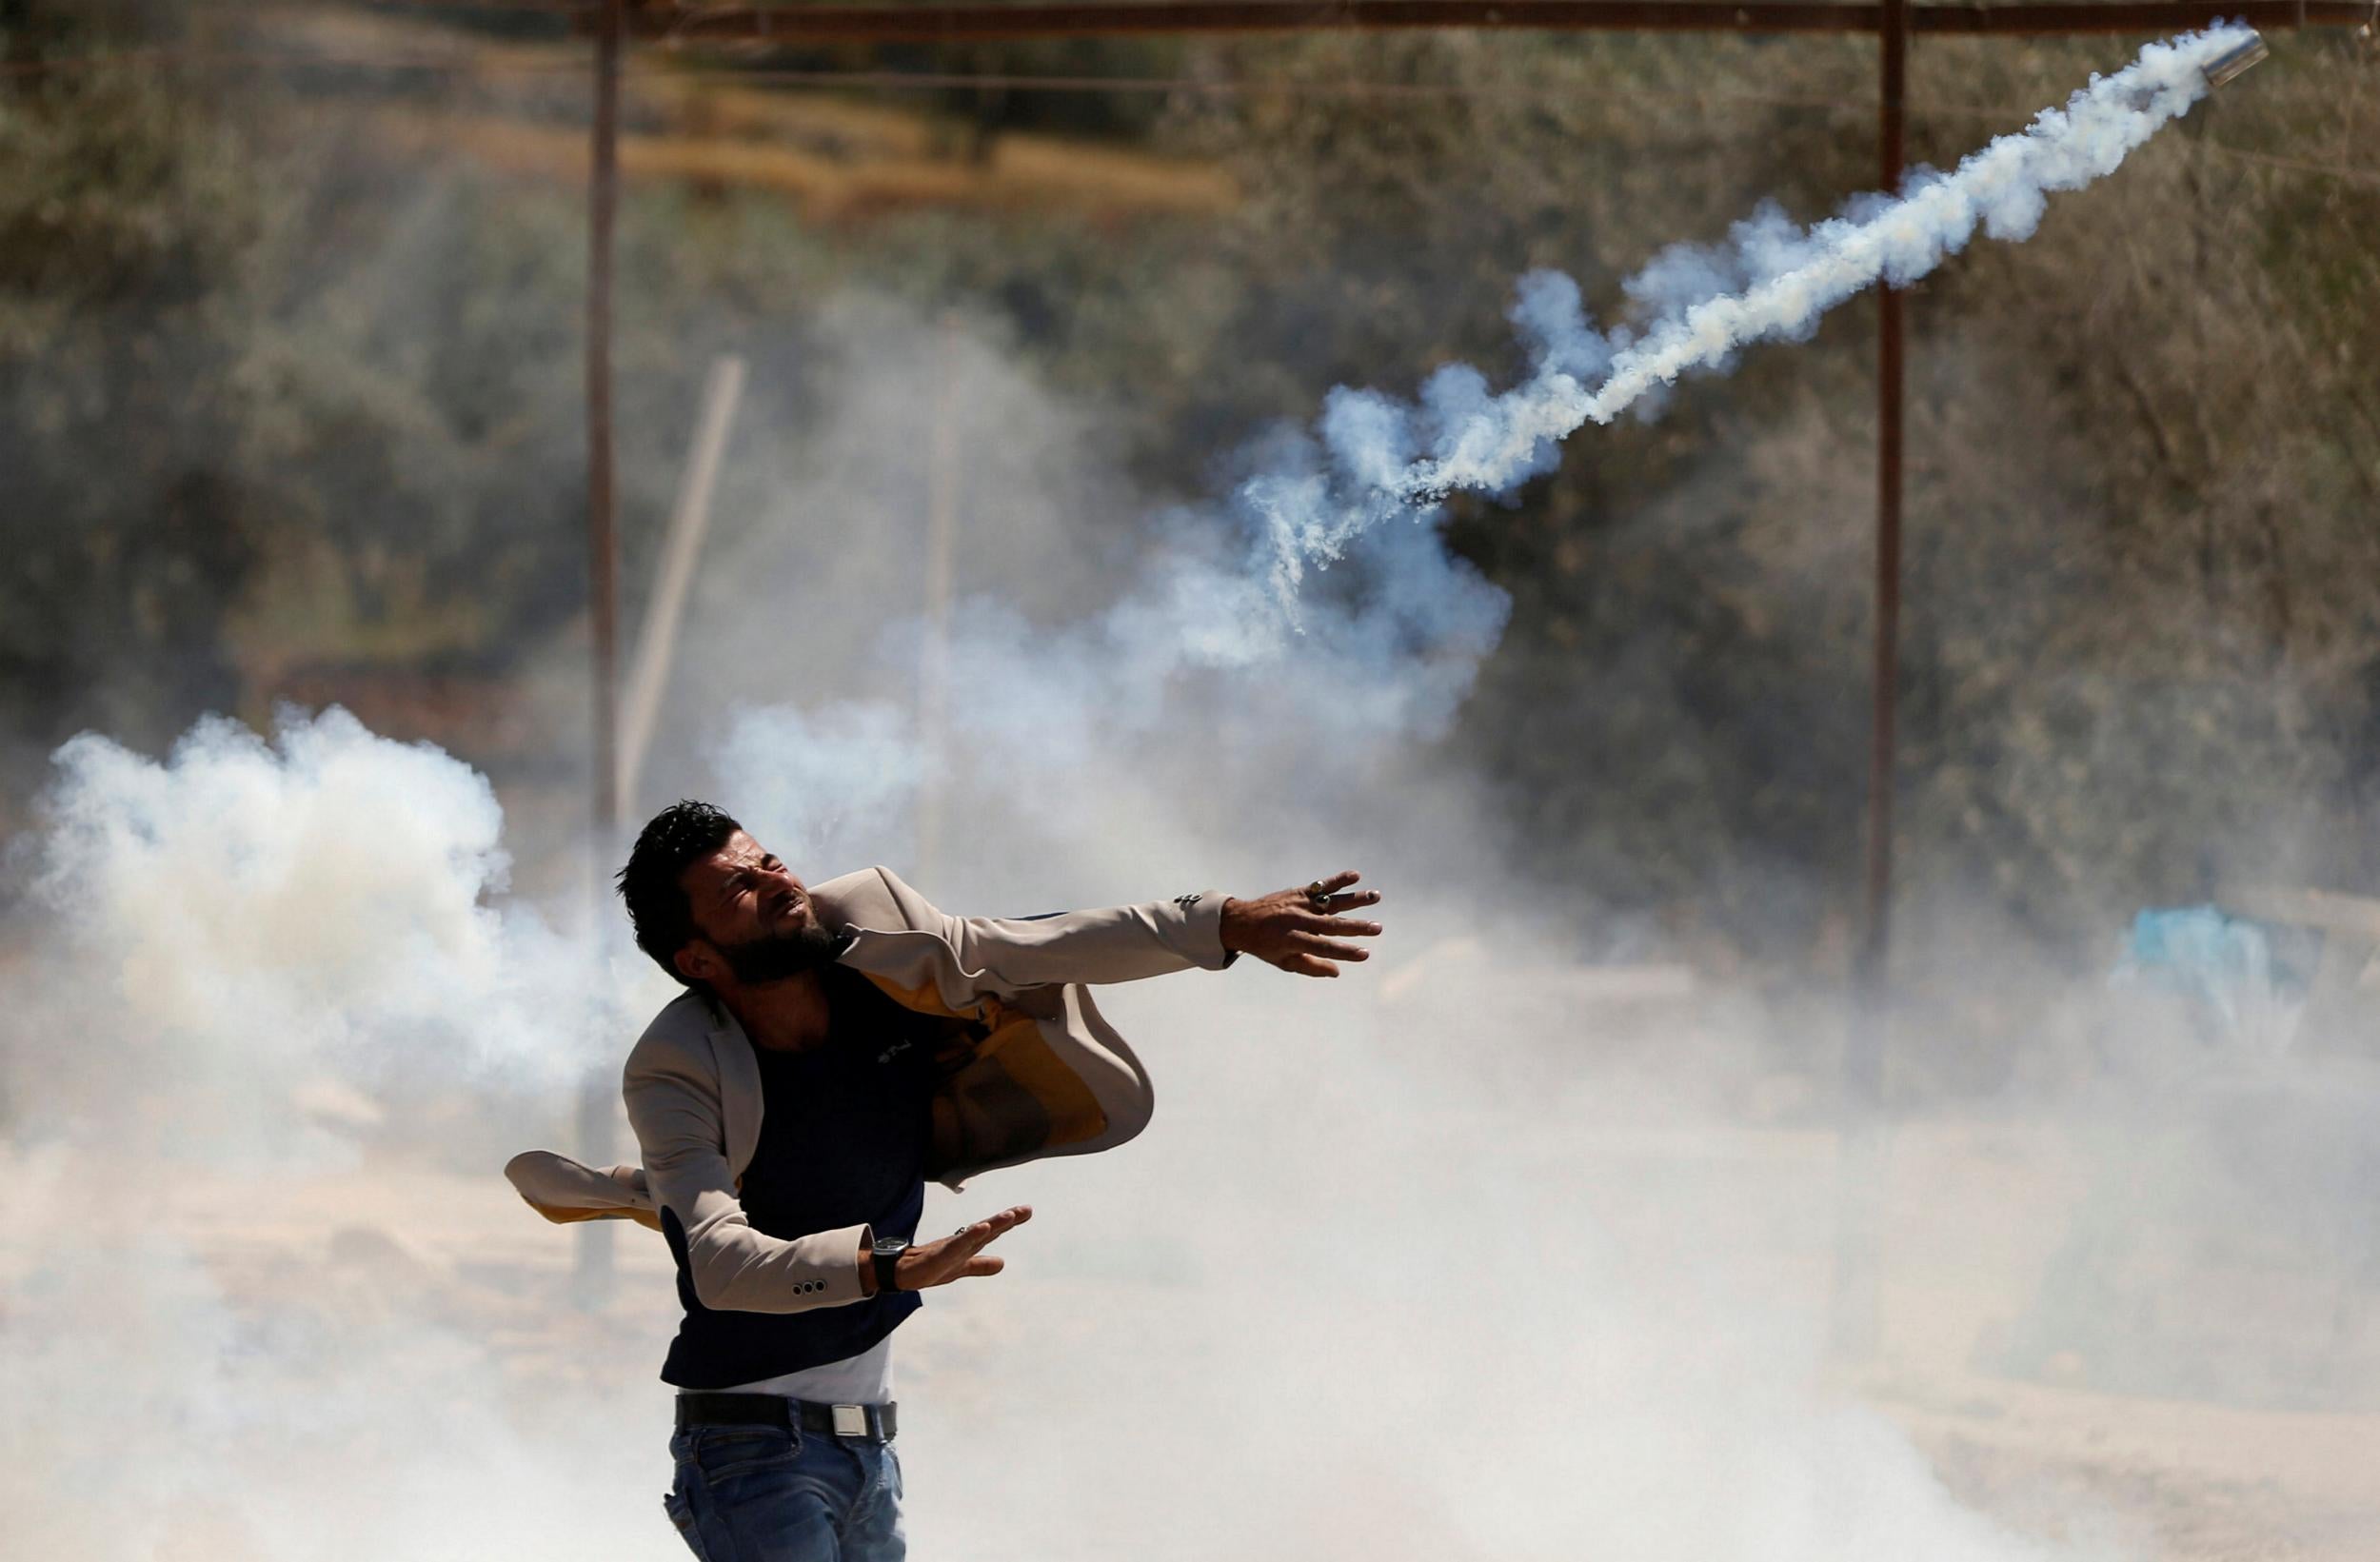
887, 1254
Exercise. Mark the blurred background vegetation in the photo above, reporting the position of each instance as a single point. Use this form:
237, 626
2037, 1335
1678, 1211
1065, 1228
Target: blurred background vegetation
289, 358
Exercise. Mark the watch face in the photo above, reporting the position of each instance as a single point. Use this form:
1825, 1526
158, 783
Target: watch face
887, 1255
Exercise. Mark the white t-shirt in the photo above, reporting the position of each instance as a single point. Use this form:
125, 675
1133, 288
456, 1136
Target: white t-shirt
862, 1379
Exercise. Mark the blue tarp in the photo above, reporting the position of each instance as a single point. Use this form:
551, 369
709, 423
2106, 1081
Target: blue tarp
2223, 964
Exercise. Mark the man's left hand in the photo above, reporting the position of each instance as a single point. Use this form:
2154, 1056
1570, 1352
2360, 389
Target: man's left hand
1304, 930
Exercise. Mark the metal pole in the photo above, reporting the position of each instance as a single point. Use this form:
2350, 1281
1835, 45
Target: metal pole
1892, 124
689, 518
941, 526
799, 25
594, 1267
1856, 1321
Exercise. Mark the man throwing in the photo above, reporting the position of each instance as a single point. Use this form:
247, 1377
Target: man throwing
837, 1047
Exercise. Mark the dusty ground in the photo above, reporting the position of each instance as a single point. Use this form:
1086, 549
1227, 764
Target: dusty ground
2269, 1470
2159, 1476
2185, 1481
2286, 1471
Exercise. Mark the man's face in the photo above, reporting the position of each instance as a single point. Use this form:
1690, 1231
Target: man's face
754, 913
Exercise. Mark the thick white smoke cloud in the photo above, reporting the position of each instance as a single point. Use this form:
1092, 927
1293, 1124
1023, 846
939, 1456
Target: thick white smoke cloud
1358, 1295
1414, 1270
251, 916
272, 996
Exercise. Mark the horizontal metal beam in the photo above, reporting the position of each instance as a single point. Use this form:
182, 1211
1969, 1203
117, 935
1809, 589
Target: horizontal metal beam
932, 24
2263, 15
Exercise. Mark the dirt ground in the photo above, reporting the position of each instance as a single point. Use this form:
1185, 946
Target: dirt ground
2194, 1483
2244, 1478
2283, 1467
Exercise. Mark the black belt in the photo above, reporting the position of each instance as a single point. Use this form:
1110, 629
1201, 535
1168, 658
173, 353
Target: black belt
859, 1423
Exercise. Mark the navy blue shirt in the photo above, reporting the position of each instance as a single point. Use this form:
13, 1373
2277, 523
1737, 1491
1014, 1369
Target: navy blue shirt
845, 1128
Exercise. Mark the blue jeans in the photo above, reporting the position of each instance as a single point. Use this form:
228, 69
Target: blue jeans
763, 1494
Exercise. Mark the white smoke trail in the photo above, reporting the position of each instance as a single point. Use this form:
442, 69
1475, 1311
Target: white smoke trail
1381, 457
1390, 655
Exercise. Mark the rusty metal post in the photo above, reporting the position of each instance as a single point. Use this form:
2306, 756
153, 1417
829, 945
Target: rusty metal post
602, 551
1856, 1322
592, 1277
1875, 934
942, 528
926, 22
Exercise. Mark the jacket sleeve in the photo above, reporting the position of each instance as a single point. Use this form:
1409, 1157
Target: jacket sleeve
733, 1267
1117, 943
561, 1190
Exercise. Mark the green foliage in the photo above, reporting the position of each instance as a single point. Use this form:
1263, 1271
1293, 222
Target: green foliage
122, 211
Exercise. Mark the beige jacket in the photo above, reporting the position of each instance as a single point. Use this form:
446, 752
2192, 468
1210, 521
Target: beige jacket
1029, 1069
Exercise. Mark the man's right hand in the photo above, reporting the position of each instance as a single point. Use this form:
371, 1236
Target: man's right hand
1302, 931
958, 1257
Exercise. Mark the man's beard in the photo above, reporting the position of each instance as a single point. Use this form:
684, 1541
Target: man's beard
774, 957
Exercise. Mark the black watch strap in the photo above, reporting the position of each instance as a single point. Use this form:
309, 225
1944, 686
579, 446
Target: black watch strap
887, 1254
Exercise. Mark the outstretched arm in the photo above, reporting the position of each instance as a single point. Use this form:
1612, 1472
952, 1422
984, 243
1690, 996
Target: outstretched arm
1300, 930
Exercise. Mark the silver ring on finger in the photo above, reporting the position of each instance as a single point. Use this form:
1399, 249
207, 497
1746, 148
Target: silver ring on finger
1317, 894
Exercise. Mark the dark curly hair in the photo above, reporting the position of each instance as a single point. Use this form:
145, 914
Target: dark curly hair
674, 839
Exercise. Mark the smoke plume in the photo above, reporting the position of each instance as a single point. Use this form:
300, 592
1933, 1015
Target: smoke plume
1387, 650
251, 917
1378, 457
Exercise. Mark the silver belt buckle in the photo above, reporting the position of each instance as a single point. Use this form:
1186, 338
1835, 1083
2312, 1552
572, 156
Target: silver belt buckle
850, 1420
